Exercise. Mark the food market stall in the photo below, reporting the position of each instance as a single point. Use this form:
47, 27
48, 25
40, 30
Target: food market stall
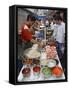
41, 64
41, 61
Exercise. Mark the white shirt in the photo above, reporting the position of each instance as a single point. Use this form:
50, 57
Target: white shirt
55, 27
60, 33
63, 24
51, 25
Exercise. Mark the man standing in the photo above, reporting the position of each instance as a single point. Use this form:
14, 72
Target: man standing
60, 34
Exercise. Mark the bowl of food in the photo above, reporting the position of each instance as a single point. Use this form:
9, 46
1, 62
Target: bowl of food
51, 63
57, 71
51, 52
32, 53
27, 61
46, 72
36, 71
36, 61
26, 72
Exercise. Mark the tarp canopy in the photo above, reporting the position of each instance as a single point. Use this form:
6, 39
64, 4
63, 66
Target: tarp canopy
40, 17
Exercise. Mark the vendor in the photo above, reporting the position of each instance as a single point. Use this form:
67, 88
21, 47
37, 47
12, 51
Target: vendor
26, 28
26, 32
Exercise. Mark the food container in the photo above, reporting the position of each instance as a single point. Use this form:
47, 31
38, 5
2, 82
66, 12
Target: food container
27, 61
46, 72
31, 53
51, 52
36, 71
43, 57
51, 63
36, 61
57, 71
26, 72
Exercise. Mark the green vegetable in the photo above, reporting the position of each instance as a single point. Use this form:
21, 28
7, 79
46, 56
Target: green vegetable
46, 71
